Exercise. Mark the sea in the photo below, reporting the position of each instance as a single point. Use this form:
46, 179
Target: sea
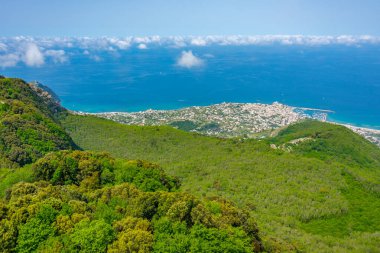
342, 78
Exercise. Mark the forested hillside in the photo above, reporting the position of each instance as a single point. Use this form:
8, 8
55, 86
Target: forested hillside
57, 200
28, 126
312, 188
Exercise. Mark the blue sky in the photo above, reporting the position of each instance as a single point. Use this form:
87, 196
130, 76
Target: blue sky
188, 17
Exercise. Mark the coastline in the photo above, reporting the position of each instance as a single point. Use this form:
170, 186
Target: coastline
232, 119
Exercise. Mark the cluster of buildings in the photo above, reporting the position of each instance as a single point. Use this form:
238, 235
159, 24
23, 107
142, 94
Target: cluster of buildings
225, 119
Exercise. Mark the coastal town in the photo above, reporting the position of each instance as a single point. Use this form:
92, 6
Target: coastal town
249, 120
224, 120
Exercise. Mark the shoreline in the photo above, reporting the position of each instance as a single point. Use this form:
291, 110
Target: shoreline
348, 125
327, 111
233, 119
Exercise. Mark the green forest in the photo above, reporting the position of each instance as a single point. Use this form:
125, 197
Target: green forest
74, 183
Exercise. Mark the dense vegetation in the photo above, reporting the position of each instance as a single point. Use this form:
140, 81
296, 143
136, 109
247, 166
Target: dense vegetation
81, 201
334, 143
76, 205
316, 199
314, 187
28, 128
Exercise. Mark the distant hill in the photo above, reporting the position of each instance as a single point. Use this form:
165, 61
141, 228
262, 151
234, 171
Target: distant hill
333, 143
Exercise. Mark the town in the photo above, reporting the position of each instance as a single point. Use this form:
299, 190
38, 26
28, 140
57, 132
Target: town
223, 120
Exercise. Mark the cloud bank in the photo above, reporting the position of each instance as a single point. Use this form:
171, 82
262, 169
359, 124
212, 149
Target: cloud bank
35, 52
189, 60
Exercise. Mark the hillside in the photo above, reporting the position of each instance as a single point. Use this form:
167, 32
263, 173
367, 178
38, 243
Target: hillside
313, 198
313, 187
88, 202
57, 200
28, 125
333, 143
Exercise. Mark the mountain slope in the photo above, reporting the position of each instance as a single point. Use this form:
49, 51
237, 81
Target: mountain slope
28, 125
334, 143
81, 201
311, 188
288, 192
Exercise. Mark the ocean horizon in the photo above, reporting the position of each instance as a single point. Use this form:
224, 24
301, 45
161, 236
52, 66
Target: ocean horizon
344, 78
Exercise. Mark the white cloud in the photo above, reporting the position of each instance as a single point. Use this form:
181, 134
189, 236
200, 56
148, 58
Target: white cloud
142, 46
122, 44
176, 41
9, 60
198, 42
33, 56
58, 56
189, 60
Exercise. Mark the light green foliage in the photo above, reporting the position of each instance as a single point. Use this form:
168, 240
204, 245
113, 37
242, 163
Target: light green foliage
36, 230
363, 214
333, 143
134, 235
9, 177
32, 234
177, 237
284, 190
91, 237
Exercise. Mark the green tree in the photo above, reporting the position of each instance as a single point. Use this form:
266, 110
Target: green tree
91, 236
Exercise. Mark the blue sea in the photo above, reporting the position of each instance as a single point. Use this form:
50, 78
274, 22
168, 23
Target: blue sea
341, 78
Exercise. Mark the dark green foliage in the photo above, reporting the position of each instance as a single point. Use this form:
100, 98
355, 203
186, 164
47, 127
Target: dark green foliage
91, 170
210, 126
185, 125
28, 127
75, 167
146, 176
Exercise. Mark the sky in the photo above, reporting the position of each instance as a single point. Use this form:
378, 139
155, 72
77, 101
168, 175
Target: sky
95, 18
